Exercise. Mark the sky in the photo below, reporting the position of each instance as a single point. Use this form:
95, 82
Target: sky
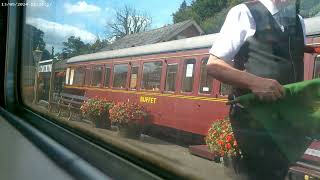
87, 19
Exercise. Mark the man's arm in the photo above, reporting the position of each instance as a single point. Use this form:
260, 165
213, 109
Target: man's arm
265, 89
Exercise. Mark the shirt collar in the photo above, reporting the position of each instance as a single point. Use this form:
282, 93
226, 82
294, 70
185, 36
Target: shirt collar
270, 6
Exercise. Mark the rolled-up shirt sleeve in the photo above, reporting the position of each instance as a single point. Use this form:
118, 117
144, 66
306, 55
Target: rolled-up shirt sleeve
238, 26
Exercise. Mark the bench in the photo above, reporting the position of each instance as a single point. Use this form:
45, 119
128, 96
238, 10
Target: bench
70, 102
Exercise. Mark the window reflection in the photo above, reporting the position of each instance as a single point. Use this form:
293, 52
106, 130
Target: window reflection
78, 78
205, 81
316, 73
134, 77
107, 77
151, 76
96, 76
120, 75
172, 70
188, 75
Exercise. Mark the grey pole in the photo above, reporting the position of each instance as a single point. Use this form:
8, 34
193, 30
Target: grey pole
37, 54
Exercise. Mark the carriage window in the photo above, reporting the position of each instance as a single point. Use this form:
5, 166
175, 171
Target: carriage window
107, 77
87, 79
225, 89
151, 76
120, 72
205, 81
96, 76
67, 76
188, 75
316, 73
172, 70
78, 77
134, 77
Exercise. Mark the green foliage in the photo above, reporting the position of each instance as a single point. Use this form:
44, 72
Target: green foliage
98, 45
73, 47
95, 106
221, 140
125, 113
183, 15
209, 14
33, 38
309, 8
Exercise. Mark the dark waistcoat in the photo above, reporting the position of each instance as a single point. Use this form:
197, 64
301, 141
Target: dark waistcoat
271, 53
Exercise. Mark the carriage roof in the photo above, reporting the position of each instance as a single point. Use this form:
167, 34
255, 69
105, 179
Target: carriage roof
170, 46
205, 41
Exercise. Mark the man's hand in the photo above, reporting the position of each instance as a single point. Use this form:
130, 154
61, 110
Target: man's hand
267, 89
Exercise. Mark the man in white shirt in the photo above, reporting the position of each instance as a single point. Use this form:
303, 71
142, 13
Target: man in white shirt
258, 52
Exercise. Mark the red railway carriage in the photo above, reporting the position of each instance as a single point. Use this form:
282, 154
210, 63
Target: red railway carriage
168, 78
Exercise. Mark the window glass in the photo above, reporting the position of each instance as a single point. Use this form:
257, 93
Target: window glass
225, 89
316, 73
67, 75
120, 73
107, 77
188, 75
96, 76
205, 80
134, 77
151, 76
88, 76
78, 78
172, 70
92, 43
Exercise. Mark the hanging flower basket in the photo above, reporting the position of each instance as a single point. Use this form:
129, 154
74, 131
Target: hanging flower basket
101, 121
129, 118
221, 140
97, 110
132, 130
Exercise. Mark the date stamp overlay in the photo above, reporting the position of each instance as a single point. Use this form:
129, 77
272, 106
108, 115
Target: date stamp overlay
27, 4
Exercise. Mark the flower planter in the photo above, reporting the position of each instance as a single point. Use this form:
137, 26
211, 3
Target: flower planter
132, 130
234, 168
101, 121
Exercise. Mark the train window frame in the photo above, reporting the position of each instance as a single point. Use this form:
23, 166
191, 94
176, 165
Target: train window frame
142, 74
316, 59
210, 92
220, 88
166, 77
113, 75
68, 73
92, 75
137, 78
184, 71
72, 80
88, 76
104, 76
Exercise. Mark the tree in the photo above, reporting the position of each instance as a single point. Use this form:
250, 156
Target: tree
33, 38
309, 8
209, 14
129, 21
73, 47
184, 13
98, 45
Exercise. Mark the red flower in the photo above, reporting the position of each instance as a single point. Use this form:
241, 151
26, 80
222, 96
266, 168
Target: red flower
220, 138
235, 143
229, 138
228, 146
